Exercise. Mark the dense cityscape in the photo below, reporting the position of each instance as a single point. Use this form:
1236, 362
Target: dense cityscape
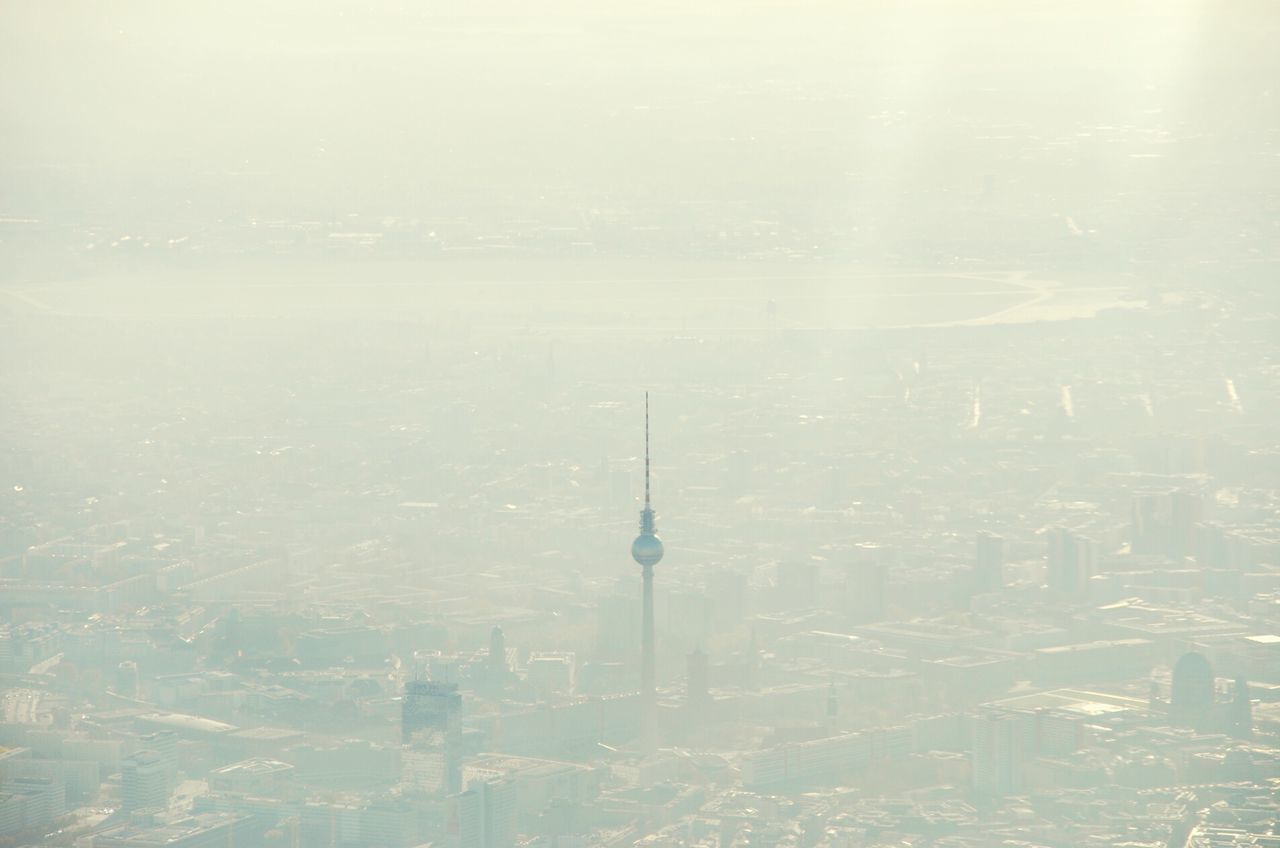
773, 498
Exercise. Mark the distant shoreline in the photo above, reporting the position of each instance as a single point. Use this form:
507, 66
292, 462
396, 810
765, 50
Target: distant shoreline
587, 295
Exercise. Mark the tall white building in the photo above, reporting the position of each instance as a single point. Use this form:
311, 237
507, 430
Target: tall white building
487, 814
165, 744
144, 781
1002, 743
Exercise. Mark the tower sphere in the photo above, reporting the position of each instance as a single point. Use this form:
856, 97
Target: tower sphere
647, 549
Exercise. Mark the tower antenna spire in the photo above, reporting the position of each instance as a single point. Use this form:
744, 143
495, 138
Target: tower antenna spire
646, 514
646, 448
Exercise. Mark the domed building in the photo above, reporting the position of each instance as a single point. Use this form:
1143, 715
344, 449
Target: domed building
1194, 700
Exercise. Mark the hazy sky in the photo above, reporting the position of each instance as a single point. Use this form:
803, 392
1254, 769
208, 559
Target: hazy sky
212, 109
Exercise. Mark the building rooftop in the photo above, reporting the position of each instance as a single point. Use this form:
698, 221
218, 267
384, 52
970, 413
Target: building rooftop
1072, 700
255, 765
168, 833
191, 723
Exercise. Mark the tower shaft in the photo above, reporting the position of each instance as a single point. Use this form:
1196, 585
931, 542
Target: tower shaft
648, 665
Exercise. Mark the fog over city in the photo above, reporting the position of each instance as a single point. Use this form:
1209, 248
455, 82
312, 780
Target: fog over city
687, 425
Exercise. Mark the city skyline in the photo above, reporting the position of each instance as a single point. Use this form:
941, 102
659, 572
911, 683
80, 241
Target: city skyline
328, 331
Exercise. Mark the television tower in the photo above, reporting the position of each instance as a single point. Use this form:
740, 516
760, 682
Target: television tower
647, 550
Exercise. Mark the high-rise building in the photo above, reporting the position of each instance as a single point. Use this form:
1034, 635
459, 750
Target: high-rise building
468, 815
493, 677
144, 781
37, 802
431, 721
1262, 657
1240, 713
12, 810
1002, 743
1220, 547
486, 814
428, 704
1165, 522
988, 564
1191, 698
497, 649
165, 744
389, 822
647, 550
1072, 561
500, 813
437, 666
